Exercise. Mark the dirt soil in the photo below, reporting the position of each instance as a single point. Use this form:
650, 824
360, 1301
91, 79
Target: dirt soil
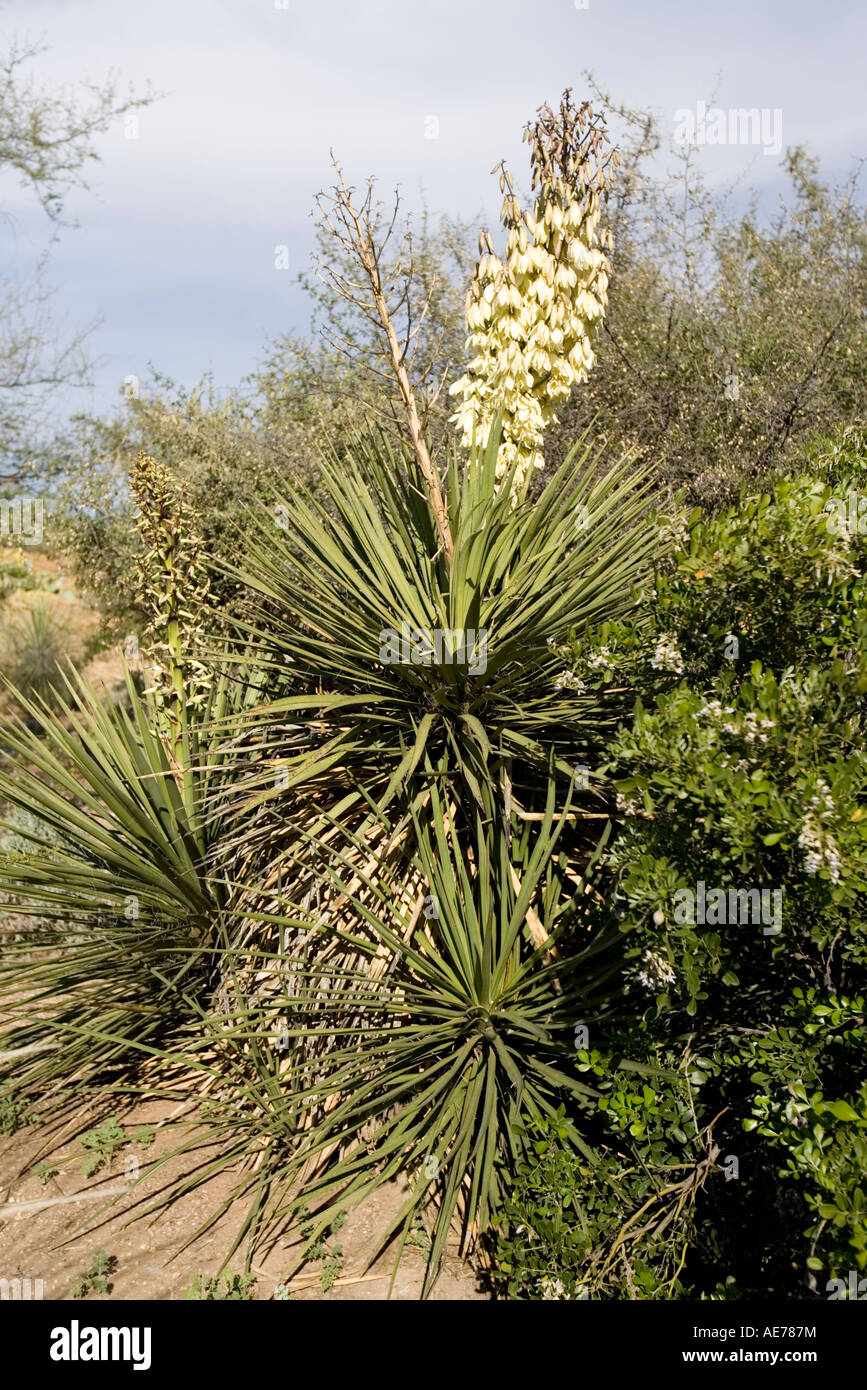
51, 1230
71, 618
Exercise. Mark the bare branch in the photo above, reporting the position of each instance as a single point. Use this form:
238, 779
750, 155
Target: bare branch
355, 229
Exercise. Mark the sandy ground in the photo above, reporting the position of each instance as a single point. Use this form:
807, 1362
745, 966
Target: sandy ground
52, 1230
71, 619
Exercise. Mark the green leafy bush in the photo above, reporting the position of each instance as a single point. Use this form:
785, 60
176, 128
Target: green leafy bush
620, 1221
742, 773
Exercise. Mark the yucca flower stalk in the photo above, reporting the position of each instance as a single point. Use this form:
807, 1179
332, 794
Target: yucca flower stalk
173, 589
532, 314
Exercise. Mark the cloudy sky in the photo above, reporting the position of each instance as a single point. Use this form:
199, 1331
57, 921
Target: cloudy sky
174, 253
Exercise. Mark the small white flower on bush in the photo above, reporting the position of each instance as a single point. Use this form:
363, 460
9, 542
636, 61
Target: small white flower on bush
755, 726
551, 1288
563, 650
834, 562
657, 972
567, 680
823, 800
626, 805
667, 656
675, 529
714, 710
600, 660
821, 852
815, 838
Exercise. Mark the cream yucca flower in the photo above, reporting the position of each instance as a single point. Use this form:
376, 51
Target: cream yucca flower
531, 315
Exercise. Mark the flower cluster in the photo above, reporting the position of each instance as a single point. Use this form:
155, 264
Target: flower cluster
567, 680
755, 727
657, 972
600, 659
667, 655
674, 531
714, 709
820, 846
834, 562
532, 314
551, 1288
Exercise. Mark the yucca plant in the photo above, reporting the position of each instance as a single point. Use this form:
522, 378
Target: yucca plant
118, 905
349, 736
358, 840
409, 633
36, 653
349, 731
348, 599
114, 904
457, 1023
414, 607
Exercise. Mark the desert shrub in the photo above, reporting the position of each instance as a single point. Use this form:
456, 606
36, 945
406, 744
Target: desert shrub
36, 653
16, 573
621, 1222
751, 765
745, 773
810, 1106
